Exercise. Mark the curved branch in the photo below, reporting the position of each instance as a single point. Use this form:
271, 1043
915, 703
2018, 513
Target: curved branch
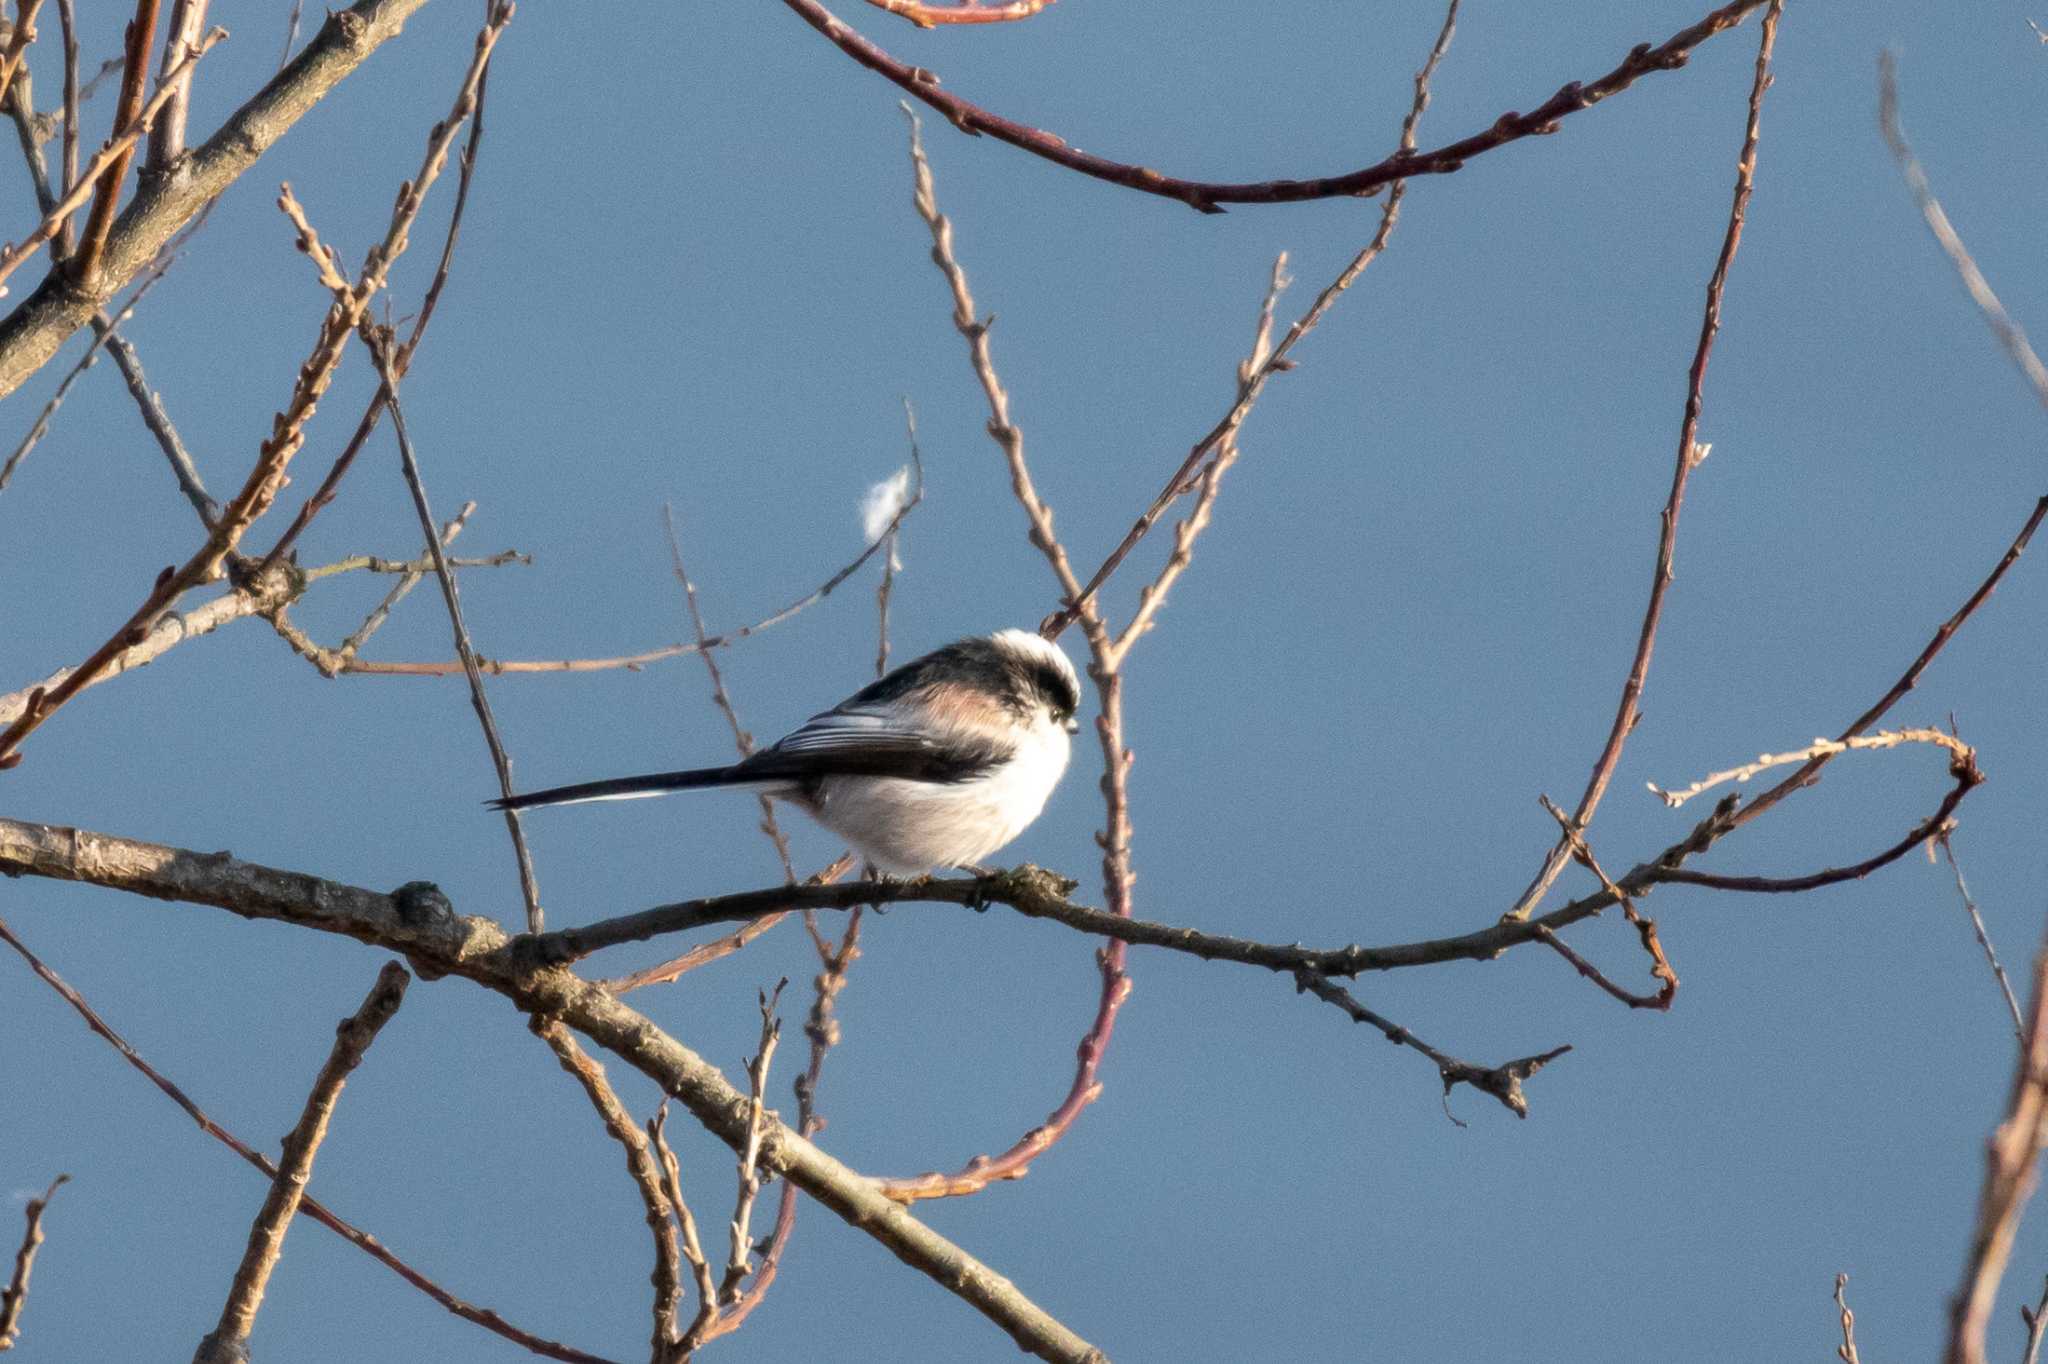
1206, 195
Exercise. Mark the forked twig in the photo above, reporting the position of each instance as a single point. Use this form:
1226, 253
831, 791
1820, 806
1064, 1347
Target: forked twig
712, 1320
692, 1245
1646, 928
469, 104
1271, 358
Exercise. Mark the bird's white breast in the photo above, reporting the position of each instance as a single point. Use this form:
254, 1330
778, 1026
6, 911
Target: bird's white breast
909, 827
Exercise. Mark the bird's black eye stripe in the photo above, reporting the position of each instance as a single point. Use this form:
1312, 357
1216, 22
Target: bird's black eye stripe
1056, 687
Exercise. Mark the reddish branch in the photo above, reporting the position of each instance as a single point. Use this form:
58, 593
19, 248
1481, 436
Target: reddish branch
1115, 837
111, 158
1689, 455
1206, 196
128, 112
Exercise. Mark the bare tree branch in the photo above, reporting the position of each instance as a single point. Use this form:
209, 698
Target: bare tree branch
416, 922
15, 1296
228, 1343
2019, 1026
2012, 1159
31, 334
1846, 1352
642, 1165
362, 1240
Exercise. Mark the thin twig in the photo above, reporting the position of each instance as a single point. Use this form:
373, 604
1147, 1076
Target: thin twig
1503, 1082
1085, 1088
2036, 1319
497, 667
167, 139
1646, 928
2011, 1167
706, 953
1272, 358
1629, 710
529, 884
402, 588
1890, 738
741, 739
704, 1328
470, 104
1809, 772
362, 1240
229, 1340
41, 426
2019, 1026
691, 1244
73, 98
1846, 1351
15, 1296
19, 35
1209, 481
642, 1165
141, 39
2009, 333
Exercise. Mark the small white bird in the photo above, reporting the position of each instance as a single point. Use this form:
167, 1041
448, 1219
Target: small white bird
938, 764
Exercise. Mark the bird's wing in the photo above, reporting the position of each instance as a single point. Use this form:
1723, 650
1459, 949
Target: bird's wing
876, 742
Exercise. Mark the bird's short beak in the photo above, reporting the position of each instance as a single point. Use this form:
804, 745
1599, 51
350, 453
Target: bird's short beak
1073, 725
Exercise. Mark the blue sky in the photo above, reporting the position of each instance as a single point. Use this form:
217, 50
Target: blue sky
690, 275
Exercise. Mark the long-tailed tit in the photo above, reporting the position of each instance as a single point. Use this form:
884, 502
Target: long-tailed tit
938, 764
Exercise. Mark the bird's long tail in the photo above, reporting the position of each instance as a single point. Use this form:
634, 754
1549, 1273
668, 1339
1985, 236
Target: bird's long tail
630, 788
